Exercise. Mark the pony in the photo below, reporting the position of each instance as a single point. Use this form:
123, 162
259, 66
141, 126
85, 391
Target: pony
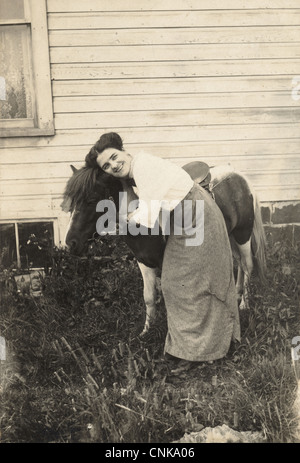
231, 191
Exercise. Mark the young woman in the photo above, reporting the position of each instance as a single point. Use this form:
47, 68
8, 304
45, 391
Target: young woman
197, 276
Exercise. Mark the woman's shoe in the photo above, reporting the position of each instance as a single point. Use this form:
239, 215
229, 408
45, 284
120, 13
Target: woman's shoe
183, 366
186, 365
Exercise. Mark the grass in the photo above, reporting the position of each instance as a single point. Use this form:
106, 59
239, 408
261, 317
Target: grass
78, 372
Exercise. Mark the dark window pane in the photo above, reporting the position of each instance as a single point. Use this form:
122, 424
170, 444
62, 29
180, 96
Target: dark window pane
11, 9
8, 254
16, 69
35, 241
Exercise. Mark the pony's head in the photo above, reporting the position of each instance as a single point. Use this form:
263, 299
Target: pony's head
83, 191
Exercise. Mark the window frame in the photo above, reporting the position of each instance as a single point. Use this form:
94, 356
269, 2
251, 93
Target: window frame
15, 223
35, 15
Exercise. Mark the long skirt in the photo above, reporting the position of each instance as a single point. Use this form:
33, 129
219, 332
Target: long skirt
199, 289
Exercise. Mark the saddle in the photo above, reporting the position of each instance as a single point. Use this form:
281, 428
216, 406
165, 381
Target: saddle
199, 172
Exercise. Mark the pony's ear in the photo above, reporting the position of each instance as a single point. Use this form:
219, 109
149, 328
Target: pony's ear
73, 169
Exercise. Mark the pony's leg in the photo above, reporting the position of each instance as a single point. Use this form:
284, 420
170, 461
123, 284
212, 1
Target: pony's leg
149, 280
239, 283
247, 267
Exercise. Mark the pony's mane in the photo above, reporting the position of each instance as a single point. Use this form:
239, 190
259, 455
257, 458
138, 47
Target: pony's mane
80, 187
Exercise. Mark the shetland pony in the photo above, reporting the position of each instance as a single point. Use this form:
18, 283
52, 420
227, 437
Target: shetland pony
231, 191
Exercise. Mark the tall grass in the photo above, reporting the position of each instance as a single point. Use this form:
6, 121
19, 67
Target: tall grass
78, 371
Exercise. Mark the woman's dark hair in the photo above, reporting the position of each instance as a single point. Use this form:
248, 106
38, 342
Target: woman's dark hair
107, 140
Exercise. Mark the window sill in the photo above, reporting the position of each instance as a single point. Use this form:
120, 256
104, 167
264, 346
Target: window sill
26, 132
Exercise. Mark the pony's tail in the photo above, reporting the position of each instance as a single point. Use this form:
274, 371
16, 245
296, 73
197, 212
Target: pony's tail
258, 241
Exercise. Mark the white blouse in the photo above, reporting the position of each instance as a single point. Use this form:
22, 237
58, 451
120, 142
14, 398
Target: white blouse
160, 184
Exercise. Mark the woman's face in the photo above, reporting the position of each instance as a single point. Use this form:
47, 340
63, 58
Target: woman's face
115, 162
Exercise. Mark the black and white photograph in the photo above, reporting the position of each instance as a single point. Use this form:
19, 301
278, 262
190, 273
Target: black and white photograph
149, 224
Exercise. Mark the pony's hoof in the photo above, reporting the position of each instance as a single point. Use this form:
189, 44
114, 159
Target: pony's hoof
244, 305
144, 332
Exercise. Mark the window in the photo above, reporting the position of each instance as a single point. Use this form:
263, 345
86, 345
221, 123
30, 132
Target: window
25, 84
25, 245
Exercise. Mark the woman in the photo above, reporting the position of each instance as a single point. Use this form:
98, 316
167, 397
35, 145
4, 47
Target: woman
197, 279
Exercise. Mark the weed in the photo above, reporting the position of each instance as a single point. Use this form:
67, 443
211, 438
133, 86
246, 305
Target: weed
77, 371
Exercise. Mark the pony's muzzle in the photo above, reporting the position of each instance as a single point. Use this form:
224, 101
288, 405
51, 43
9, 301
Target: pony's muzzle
72, 245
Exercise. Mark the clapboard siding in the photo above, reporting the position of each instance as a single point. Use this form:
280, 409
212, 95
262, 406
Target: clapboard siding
191, 52
59, 6
207, 35
192, 18
182, 79
147, 135
206, 85
192, 101
171, 118
169, 70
